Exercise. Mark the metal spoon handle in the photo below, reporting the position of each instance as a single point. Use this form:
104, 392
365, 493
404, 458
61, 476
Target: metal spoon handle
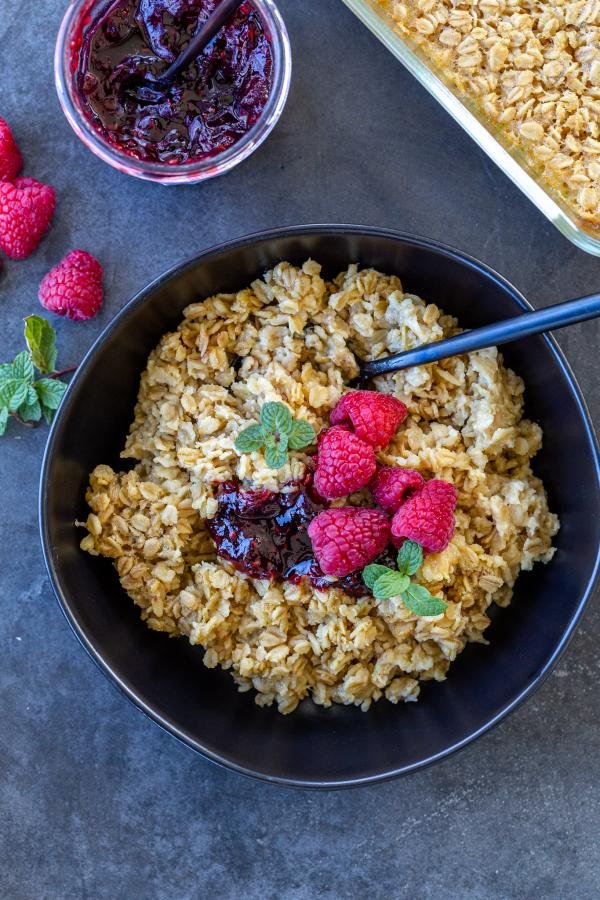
204, 36
552, 317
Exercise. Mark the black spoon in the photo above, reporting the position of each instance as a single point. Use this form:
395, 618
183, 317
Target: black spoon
568, 313
203, 36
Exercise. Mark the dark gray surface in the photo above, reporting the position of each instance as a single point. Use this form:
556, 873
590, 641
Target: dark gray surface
96, 801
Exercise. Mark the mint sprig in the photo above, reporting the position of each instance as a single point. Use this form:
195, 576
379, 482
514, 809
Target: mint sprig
22, 396
277, 433
385, 582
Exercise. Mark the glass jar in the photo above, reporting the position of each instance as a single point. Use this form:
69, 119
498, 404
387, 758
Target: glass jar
66, 70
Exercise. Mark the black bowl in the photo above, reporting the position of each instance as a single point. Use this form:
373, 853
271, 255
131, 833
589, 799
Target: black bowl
341, 746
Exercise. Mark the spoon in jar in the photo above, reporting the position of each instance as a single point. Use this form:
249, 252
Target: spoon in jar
558, 316
206, 32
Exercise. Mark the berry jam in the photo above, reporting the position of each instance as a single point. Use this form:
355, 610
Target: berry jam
207, 108
264, 534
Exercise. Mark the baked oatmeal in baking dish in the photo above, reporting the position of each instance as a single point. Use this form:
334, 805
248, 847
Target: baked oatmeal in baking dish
318, 541
532, 68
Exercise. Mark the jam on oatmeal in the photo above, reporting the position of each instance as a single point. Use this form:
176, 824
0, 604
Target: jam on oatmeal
264, 534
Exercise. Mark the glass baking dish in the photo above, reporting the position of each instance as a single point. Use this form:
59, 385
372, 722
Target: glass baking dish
584, 235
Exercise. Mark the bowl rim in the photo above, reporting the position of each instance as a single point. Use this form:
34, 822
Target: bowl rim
62, 416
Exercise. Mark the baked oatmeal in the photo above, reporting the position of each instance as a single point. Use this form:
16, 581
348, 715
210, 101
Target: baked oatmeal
289, 341
532, 68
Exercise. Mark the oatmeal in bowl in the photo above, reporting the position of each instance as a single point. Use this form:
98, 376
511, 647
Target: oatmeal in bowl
317, 541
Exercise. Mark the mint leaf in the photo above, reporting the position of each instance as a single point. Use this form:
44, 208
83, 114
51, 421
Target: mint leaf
276, 454
373, 572
13, 394
41, 340
276, 418
6, 373
392, 584
31, 397
276, 457
3, 420
48, 414
410, 558
31, 412
250, 439
23, 367
420, 602
301, 435
6, 389
50, 392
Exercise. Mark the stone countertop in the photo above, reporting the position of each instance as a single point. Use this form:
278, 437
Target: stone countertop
97, 802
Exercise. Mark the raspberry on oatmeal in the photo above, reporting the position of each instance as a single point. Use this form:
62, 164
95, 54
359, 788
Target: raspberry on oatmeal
427, 517
348, 538
375, 417
391, 486
345, 463
291, 338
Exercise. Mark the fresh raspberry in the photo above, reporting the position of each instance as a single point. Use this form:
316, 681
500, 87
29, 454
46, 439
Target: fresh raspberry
345, 463
427, 517
391, 486
26, 210
73, 288
348, 538
10, 155
374, 416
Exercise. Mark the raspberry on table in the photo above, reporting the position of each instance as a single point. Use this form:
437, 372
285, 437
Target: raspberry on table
392, 485
375, 417
73, 288
26, 210
427, 517
348, 538
11, 161
345, 463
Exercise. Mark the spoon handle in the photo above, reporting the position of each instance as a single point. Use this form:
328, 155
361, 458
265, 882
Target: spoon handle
547, 319
202, 38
